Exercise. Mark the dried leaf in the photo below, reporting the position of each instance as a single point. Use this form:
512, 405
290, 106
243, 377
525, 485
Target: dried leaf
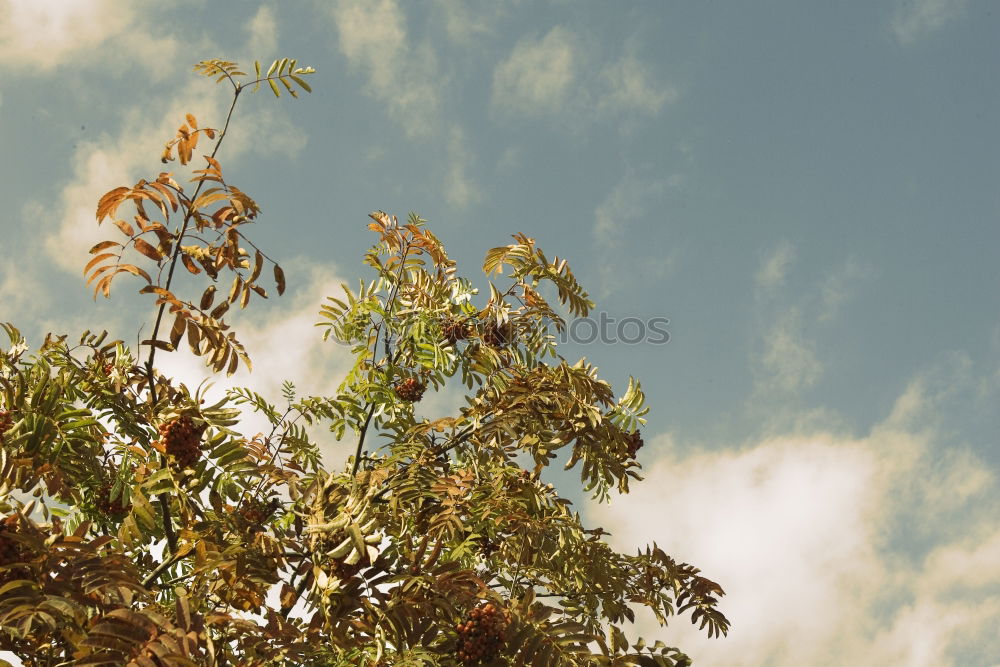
191, 121
148, 250
125, 227
189, 264
279, 279
158, 344
194, 337
102, 245
207, 297
177, 330
97, 260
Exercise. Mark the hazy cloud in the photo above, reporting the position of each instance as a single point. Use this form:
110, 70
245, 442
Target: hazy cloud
629, 201
262, 30
460, 190
788, 361
630, 87
774, 267
538, 75
914, 19
373, 37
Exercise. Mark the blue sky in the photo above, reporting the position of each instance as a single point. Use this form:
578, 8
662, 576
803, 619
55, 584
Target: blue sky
808, 191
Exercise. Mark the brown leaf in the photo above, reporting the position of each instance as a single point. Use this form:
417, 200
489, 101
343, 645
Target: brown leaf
97, 260
148, 250
109, 202
159, 344
245, 299
207, 297
220, 310
235, 289
189, 264
258, 265
102, 245
134, 270
125, 227
194, 337
177, 331
191, 121
279, 279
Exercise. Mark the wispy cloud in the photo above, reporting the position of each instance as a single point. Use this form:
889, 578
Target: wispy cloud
788, 361
629, 86
565, 75
405, 78
775, 266
807, 532
914, 19
263, 33
628, 201
840, 286
538, 75
460, 190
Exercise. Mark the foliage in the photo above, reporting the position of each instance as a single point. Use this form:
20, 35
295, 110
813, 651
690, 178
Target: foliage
144, 528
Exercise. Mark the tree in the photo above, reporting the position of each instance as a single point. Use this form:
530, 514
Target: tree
142, 527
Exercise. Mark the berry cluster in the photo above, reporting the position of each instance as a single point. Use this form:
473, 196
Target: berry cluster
454, 330
114, 508
6, 419
482, 634
182, 440
634, 442
256, 512
497, 334
410, 389
11, 551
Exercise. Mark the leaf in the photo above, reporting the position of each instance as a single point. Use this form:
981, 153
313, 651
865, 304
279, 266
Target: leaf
177, 330
109, 202
274, 87
125, 227
191, 121
194, 337
148, 250
279, 279
158, 344
189, 264
207, 297
97, 260
301, 82
103, 245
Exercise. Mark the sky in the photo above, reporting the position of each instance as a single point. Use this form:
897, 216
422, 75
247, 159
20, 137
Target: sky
807, 191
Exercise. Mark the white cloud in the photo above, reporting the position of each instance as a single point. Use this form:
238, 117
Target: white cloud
460, 190
405, 78
775, 266
46, 35
538, 76
630, 87
263, 32
914, 19
799, 530
564, 75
